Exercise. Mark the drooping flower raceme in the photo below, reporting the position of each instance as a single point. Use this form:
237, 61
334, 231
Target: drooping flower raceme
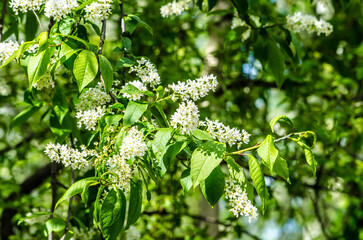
174, 8
226, 134
92, 98
98, 10
194, 89
301, 22
132, 146
26, 5
89, 118
147, 72
137, 96
59, 9
237, 198
7, 49
186, 117
69, 156
45, 82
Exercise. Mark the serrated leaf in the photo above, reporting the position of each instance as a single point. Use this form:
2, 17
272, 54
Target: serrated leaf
118, 225
258, 180
202, 135
162, 137
76, 188
85, 68
213, 186
268, 152
110, 211
281, 168
130, 89
204, 159
280, 118
124, 62
142, 23
135, 202
276, 63
158, 112
84, 194
126, 43
23, 116
107, 72
186, 180
37, 66
168, 156
134, 111
310, 159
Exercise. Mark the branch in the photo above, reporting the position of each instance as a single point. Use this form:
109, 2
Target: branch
3, 13
123, 28
69, 207
102, 41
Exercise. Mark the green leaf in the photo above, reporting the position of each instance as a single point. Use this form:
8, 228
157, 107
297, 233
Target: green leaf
310, 159
276, 63
158, 112
60, 104
258, 180
280, 118
83, 5
204, 159
23, 116
134, 111
65, 25
186, 180
142, 23
124, 62
85, 68
118, 225
107, 72
76, 188
130, 89
202, 135
110, 211
213, 186
84, 194
162, 137
298, 48
268, 152
43, 41
241, 5
55, 225
281, 168
135, 202
169, 155
37, 66
85, 43
211, 4
127, 43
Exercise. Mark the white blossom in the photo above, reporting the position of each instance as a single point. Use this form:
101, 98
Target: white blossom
92, 98
45, 82
133, 234
300, 22
226, 134
98, 10
26, 5
118, 165
137, 96
89, 118
194, 89
69, 156
237, 198
147, 72
174, 8
59, 9
7, 49
81, 234
186, 117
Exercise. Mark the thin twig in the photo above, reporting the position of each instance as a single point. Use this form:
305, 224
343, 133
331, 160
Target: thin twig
53, 175
51, 23
40, 24
123, 27
100, 48
3, 13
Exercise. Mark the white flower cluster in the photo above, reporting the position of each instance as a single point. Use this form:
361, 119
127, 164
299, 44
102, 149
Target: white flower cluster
225, 134
92, 98
239, 201
133, 144
137, 96
118, 165
237, 22
33, 48
69, 156
174, 8
98, 10
59, 9
147, 72
26, 5
81, 234
7, 49
300, 22
45, 82
89, 118
186, 117
194, 89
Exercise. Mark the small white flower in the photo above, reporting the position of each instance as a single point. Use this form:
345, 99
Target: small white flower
7, 49
174, 8
300, 22
186, 117
90, 118
137, 96
59, 9
98, 10
147, 72
26, 5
